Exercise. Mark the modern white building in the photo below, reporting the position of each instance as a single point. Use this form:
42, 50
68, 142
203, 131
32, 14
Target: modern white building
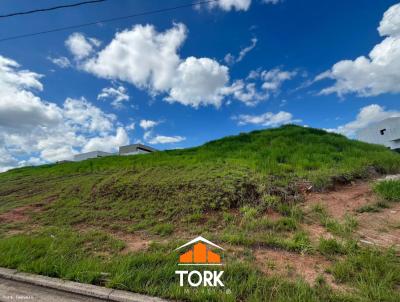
123, 150
135, 149
386, 132
93, 154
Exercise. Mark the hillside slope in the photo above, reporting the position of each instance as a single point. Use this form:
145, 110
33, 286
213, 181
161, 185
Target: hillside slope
222, 174
116, 221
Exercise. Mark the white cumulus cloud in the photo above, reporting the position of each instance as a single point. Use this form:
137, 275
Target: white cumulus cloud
390, 24
118, 95
367, 115
375, 74
131, 126
148, 124
7, 161
108, 143
266, 119
228, 5
34, 131
82, 114
80, 46
259, 85
230, 59
161, 139
141, 56
238, 5
155, 139
19, 106
199, 82
62, 62
150, 60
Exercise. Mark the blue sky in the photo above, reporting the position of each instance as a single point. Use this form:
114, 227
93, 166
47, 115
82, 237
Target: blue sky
182, 78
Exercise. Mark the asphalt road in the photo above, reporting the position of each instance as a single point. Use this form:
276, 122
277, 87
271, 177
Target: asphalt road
12, 291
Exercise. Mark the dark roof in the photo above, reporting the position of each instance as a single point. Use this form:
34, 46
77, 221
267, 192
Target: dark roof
134, 147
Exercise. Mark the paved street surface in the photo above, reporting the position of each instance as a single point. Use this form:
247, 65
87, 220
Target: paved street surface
12, 291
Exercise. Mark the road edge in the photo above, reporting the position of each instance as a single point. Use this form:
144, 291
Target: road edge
87, 290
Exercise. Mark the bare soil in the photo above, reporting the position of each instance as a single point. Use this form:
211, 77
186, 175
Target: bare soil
316, 231
133, 242
374, 228
273, 216
16, 215
342, 200
294, 265
382, 228
22, 214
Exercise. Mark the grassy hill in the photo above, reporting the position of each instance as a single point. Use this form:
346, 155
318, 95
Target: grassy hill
70, 220
222, 174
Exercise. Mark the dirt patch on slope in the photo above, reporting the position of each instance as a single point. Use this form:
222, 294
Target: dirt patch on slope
272, 215
381, 228
133, 242
316, 231
345, 199
20, 214
293, 265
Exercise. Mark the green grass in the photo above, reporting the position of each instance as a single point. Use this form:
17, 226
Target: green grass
343, 228
374, 273
93, 257
374, 208
163, 229
295, 242
389, 190
66, 255
60, 253
330, 247
221, 190
258, 169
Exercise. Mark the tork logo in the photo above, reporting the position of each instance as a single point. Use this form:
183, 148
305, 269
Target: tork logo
200, 255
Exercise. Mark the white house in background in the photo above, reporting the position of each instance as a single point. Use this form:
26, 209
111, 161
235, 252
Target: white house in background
93, 154
386, 132
135, 149
123, 150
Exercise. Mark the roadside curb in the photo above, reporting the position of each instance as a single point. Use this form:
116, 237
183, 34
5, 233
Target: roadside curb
77, 288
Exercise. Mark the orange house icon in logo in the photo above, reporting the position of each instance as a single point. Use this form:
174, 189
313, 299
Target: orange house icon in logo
200, 254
